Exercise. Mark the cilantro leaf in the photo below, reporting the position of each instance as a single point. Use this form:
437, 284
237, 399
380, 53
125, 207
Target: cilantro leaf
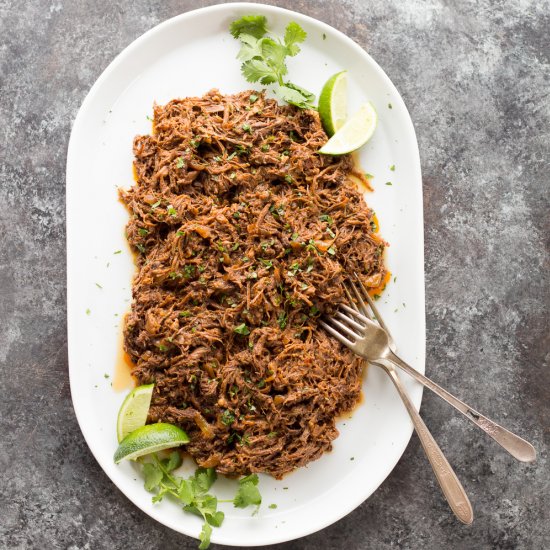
294, 34
153, 476
252, 478
174, 461
208, 504
263, 57
215, 519
248, 493
204, 536
274, 54
250, 47
255, 25
204, 479
307, 95
255, 70
185, 492
193, 491
296, 96
242, 329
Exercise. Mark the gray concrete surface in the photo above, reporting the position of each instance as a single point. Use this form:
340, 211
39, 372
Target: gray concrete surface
476, 78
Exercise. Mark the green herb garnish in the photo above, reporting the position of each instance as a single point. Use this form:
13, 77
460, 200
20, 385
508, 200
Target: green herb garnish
193, 491
242, 329
248, 493
263, 57
228, 417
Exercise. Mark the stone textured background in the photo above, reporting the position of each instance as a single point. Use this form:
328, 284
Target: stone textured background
476, 78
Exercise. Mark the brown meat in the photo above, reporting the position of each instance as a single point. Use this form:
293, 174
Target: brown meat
244, 235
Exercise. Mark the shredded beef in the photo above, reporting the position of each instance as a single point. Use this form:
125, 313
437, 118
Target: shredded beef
244, 236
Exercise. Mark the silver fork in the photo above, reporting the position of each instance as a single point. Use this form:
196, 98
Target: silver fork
379, 345
450, 485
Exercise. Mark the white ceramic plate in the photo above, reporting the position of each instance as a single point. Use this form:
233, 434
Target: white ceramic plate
188, 55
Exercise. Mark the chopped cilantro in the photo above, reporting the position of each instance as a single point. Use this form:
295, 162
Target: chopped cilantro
188, 271
242, 329
228, 417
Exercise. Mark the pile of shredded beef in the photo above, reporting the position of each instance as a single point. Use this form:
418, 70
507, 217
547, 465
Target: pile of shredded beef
244, 236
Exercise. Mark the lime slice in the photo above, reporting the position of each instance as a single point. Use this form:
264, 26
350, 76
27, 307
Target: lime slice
150, 439
333, 103
353, 134
133, 411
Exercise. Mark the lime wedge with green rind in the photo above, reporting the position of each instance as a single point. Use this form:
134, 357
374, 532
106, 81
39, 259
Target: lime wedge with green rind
354, 133
333, 103
150, 439
133, 411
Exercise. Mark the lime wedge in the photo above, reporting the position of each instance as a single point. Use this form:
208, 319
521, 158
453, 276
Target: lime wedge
353, 134
133, 411
150, 439
333, 102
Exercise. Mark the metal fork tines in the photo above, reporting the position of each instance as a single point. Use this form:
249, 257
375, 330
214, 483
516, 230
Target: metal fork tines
370, 338
356, 337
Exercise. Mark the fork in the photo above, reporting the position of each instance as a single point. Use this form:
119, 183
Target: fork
450, 485
368, 336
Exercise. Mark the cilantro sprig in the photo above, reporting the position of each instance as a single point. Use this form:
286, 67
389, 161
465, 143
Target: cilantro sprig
263, 57
193, 491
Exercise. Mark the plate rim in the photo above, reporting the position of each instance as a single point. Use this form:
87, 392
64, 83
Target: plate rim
344, 508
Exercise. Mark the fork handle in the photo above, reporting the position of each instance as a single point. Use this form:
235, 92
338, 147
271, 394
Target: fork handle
515, 445
450, 485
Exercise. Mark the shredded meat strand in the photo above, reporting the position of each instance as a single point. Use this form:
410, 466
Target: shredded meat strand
244, 235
